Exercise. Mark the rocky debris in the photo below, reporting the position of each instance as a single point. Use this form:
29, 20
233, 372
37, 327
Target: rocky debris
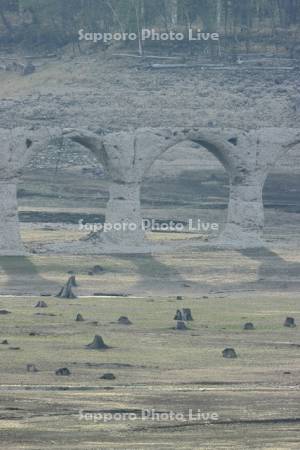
4, 312
229, 353
31, 368
123, 320
181, 325
41, 304
97, 344
63, 372
79, 318
185, 314
290, 322
249, 326
66, 290
108, 376
5, 342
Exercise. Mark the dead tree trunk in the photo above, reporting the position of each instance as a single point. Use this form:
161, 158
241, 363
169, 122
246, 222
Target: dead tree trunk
66, 290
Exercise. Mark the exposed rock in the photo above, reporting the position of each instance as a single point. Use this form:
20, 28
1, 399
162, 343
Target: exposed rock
249, 326
14, 348
229, 353
123, 320
64, 372
290, 322
97, 344
179, 297
5, 342
3, 312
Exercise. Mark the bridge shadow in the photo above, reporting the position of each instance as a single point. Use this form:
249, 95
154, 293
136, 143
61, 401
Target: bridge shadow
18, 275
272, 266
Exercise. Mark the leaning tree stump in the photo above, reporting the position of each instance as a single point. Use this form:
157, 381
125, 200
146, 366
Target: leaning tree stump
66, 291
97, 344
229, 353
290, 322
73, 281
249, 326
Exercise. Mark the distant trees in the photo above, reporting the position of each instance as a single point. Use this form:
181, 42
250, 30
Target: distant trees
58, 21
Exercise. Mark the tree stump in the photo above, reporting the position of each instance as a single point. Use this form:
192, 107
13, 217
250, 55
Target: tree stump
123, 320
178, 315
290, 322
229, 353
97, 344
79, 318
31, 368
108, 376
181, 325
249, 326
97, 270
187, 315
72, 281
41, 304
66, 291
64, 372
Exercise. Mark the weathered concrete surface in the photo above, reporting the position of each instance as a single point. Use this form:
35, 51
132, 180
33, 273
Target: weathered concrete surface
127, 156
16, 148
247, 157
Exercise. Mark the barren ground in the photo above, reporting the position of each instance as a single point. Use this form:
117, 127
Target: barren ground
255, 395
